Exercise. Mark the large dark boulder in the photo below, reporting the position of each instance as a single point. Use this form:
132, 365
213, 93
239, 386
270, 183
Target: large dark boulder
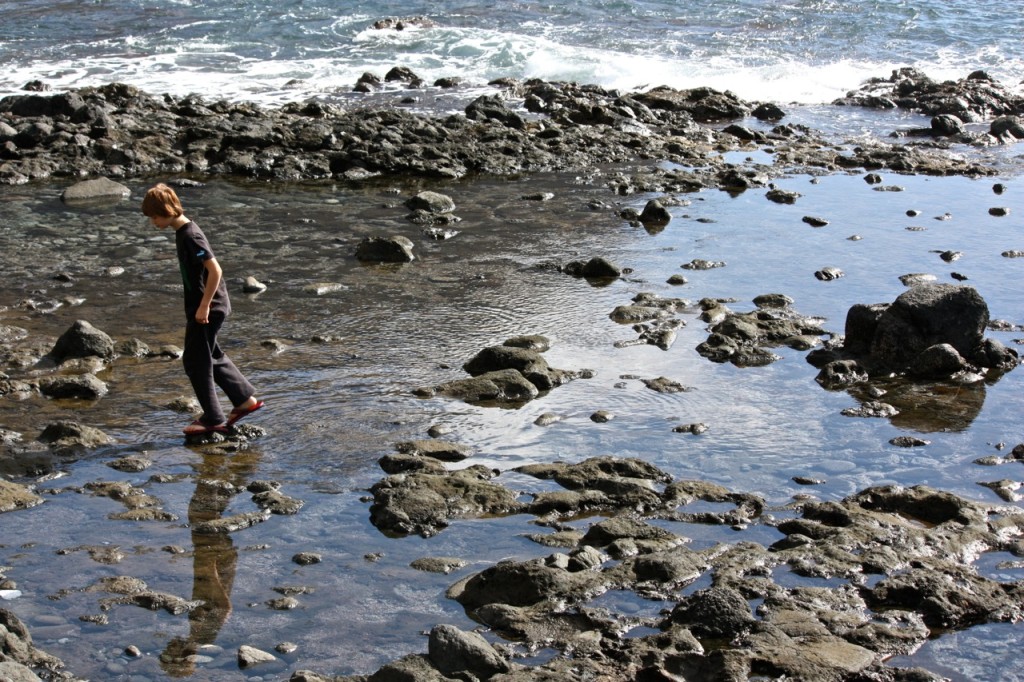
931, 331
925, 316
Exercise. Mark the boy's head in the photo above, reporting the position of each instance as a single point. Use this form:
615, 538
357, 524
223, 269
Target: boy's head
161, 202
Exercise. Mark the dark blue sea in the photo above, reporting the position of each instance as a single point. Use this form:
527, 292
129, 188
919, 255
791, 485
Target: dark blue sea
806, 51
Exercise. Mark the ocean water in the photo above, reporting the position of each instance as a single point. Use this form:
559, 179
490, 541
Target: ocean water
803, 51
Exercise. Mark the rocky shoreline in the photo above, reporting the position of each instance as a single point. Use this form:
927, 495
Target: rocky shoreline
524, 127
905, 557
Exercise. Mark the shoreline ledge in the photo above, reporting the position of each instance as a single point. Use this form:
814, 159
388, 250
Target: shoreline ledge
119, 131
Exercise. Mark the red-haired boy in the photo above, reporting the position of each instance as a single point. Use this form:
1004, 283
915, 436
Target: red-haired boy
206, 307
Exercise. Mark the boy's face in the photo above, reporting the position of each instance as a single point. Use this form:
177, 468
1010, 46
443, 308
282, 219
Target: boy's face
160, 222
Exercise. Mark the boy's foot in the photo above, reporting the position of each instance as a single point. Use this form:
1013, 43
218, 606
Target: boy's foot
198, 428
244, 410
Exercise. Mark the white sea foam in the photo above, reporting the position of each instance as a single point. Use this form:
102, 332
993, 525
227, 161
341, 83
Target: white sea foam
216, 65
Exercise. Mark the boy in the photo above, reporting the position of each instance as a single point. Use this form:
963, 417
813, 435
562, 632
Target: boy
206, 307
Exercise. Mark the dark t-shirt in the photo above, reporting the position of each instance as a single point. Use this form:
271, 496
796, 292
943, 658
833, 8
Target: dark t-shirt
193, 252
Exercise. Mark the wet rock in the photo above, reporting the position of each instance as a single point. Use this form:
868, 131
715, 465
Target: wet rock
455, 652
908, 442
999, 211
743, 338
397, 249
277, 502
915, 278
631, 314
702, 264
443, 565
422, 503
398, 464
627, 483
602, 417
82, 340
322, 288
547, 419
595, 268
15, 496
527, 583
814, 221
81, 387
716, 612
153, 601
131, 464
974, 98
437, 449
1007, 129
249, 657
19, 653
768, 111
70, 434
781, 196
307, 558
703, 104
283, 604
953, 598
534, 342
502, 386
134, 348
92, 192
16, 672
937, 362
664, 385
655, 213
529, 363
643, 537
251, 285
493, 108
828, 274
431, 202
920, 332
872, 408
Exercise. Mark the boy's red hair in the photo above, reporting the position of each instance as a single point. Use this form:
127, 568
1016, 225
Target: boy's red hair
161, 202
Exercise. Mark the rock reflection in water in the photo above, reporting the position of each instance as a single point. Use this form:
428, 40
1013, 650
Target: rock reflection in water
930, 407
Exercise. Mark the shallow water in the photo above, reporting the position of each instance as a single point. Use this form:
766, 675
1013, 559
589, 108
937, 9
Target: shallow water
339, 385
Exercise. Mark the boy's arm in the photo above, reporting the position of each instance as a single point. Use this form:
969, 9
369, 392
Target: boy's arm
213, 277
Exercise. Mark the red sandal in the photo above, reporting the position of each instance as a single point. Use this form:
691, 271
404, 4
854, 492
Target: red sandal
237, 413
198, 428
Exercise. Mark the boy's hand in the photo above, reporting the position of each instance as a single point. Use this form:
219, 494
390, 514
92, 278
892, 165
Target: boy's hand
203, 314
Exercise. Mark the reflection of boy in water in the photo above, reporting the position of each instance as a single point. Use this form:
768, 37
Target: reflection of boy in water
214, 560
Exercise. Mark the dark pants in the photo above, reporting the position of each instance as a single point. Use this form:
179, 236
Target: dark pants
208, 367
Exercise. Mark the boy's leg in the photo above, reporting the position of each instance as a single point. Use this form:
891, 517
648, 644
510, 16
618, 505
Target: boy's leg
227, 375
200, 342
